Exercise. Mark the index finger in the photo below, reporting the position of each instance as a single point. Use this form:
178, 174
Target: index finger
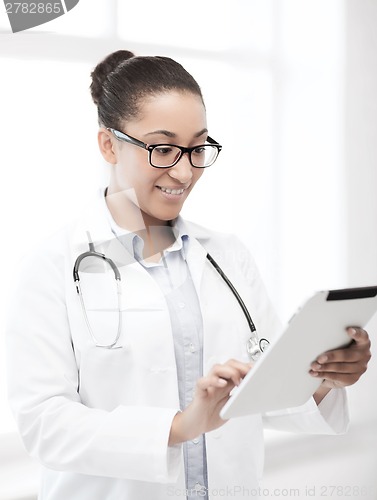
231, 370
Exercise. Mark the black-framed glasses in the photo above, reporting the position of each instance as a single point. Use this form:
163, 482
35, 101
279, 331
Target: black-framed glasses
168, 155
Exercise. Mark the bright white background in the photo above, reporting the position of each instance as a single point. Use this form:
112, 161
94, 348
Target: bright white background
290, 88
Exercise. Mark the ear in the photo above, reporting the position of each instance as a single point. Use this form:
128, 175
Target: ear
107, 146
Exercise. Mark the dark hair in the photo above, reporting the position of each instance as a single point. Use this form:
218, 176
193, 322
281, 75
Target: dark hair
122, 80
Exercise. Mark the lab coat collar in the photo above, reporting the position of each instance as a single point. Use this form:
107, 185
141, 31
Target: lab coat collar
191, 229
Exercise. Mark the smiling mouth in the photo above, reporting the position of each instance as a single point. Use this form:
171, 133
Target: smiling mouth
171, 191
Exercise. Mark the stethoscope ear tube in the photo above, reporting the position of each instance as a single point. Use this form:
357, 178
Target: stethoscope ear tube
76, 278
93, 253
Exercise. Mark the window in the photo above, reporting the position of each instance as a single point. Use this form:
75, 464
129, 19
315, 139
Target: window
274, 104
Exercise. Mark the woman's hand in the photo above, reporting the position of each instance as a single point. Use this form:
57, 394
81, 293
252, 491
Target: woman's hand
342, 367
211, 393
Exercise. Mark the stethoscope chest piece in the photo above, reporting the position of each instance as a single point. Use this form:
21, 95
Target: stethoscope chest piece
255, 347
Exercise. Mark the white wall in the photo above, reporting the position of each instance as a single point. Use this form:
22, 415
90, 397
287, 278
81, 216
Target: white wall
360, 145
345, 466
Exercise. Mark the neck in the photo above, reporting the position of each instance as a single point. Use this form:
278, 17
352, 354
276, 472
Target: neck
157, 235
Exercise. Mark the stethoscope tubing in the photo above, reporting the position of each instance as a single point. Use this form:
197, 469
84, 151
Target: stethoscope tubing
92, 253
234, 291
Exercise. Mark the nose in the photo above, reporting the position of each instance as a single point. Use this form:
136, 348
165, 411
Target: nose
182, 171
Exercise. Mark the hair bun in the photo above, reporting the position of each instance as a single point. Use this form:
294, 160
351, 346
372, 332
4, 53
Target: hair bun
103, 69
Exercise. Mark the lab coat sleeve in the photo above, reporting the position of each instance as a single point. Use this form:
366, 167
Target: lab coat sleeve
329, 417
43, 380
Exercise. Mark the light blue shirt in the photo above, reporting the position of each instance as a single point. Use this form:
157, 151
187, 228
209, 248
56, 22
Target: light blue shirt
173, 276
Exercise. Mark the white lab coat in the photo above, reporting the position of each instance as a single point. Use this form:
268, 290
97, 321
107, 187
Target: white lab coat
99, 419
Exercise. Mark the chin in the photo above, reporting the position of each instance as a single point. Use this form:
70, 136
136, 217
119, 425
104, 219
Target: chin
162, 216
168, 217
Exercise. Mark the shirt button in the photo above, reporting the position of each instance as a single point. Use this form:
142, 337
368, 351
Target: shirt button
195, 441
198, 487
181, 305
192, 348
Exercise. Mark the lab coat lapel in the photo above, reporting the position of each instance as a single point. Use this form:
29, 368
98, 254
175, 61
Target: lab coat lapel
146, 332
92, 225
223, 336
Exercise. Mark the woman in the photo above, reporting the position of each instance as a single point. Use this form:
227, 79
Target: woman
126, 406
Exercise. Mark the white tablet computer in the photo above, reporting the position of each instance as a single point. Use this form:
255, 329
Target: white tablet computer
280, 378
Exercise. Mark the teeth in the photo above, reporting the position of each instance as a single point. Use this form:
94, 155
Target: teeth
171, 191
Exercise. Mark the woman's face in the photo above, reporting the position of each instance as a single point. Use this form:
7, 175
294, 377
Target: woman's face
170, 118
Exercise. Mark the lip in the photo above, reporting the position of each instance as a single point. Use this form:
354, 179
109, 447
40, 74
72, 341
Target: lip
178, 191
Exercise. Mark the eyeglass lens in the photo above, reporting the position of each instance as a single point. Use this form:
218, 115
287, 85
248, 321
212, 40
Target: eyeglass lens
166, 156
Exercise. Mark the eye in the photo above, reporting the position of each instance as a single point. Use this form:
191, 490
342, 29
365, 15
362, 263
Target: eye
199, 150
163, 150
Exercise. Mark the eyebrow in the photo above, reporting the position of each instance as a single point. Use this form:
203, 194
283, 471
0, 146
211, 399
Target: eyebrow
172, 134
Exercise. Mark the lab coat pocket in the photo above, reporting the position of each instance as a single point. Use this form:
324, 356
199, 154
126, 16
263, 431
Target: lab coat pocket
136, 371
143, 360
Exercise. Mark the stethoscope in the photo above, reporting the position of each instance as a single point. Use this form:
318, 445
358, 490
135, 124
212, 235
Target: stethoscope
254, 346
